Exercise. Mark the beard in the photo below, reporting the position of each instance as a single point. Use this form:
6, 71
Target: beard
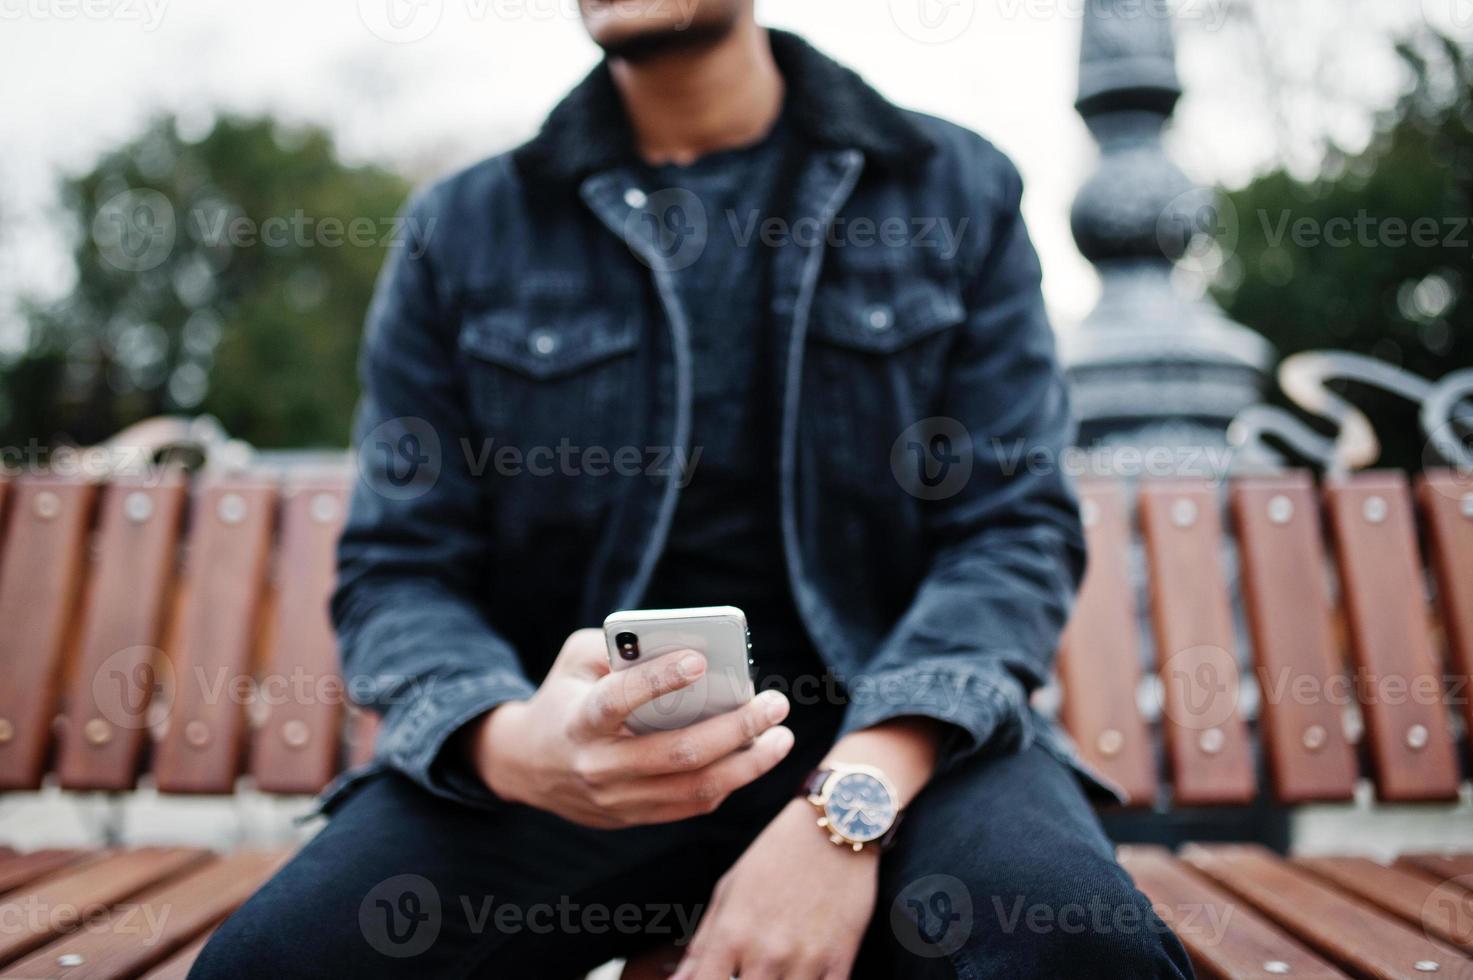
696, 36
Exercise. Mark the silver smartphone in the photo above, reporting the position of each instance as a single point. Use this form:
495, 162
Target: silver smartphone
719, 633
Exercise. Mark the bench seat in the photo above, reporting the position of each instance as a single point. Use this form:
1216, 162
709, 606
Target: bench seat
1266, 641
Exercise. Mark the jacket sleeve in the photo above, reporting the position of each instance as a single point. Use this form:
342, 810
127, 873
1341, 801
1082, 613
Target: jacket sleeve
416, 646
981, 632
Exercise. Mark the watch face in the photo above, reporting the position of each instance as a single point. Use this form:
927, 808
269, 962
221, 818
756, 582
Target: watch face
859, 807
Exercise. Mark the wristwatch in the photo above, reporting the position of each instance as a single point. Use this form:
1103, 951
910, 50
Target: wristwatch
856, 805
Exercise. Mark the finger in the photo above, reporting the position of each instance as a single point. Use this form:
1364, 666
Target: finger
701, 939
762, 971
697, 746
707, 964
840, 971
702, 791
584, 652
615, 697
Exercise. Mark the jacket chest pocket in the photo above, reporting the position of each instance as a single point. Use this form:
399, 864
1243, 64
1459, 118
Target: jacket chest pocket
875, 363
553, 372
882, 335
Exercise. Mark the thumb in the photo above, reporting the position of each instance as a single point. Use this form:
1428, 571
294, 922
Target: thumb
585, 654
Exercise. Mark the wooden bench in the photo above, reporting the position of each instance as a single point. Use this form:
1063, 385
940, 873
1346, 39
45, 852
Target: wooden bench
173, 632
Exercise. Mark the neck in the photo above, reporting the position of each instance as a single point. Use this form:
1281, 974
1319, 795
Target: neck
685, 104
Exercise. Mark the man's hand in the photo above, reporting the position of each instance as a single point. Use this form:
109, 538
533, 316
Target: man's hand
793, 906
566, 749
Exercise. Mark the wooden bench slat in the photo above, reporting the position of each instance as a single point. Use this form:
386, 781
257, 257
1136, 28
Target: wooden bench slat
40, 585
1443, 866
213, 646
57, 904
1225, 939
1099, 657
176, 967
155, 925
1206, 738
108, 700
20, 869
296, 745
1399, 681
1447, 504
1289, 613
1351, 933
1445, 911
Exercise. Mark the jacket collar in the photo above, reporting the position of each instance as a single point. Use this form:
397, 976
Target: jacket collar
828, 106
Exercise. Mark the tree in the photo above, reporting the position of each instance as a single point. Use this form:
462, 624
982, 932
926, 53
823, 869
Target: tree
1373, 254
227, 275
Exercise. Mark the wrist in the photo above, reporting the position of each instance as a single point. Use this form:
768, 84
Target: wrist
800, 815
494, 753
905, 749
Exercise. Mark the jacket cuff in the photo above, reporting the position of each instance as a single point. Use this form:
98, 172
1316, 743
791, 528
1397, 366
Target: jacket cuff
416, 736
986, 707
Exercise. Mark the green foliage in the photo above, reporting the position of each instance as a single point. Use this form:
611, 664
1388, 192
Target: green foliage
228, 275
1373, 255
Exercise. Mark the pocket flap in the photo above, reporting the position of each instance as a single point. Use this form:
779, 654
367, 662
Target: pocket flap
883, 315
547, 344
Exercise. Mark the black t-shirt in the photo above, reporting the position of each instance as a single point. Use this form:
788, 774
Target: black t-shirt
725, 545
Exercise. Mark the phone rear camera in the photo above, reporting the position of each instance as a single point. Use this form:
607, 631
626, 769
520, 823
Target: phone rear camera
628, 645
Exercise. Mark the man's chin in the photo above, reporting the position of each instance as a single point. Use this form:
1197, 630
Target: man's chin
625, 37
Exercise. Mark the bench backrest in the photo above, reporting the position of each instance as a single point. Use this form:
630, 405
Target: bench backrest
177, 629
1330, 646
181, 629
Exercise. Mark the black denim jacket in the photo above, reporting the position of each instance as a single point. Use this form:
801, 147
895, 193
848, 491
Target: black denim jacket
521, 443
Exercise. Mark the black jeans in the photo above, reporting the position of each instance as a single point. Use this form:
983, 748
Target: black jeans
1000, 870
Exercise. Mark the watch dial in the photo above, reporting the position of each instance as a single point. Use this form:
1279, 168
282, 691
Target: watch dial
860, 807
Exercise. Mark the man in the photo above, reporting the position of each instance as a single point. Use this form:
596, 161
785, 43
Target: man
731, 330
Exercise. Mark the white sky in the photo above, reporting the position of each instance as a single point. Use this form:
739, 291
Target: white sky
77, 76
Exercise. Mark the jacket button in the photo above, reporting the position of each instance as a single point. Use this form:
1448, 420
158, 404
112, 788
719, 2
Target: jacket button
879, 317
635, 198
542, 343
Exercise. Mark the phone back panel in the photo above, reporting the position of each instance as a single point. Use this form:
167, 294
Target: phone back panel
718, 632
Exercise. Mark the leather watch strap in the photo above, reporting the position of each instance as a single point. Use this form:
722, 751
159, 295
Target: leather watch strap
813, 782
